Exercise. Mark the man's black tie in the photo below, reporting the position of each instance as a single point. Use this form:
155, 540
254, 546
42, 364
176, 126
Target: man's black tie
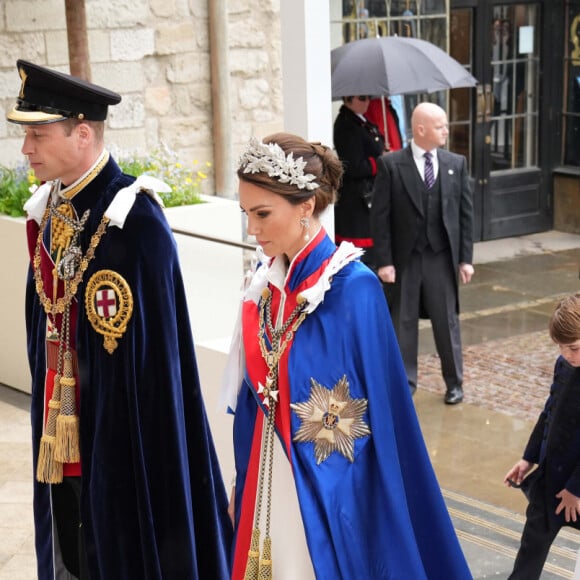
429, 172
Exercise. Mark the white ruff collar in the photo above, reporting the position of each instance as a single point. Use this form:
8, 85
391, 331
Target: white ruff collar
118, 209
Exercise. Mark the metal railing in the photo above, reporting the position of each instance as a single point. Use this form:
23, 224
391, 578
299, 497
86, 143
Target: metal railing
235, 244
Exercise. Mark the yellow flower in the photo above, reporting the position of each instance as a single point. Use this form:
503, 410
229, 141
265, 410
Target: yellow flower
202, 175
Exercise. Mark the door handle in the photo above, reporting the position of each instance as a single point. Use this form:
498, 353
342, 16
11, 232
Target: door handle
480, 104
489, 103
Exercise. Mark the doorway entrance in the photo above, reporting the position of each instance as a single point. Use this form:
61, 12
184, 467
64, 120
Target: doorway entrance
498, 130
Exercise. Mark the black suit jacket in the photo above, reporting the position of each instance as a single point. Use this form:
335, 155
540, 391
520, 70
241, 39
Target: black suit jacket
555, 440
397, 208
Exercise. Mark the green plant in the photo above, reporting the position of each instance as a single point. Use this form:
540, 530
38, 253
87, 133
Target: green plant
16, 185
162, 163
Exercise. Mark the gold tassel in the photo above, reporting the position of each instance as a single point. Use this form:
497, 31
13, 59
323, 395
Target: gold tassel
266, 560
48, 469
67, 447
253, 563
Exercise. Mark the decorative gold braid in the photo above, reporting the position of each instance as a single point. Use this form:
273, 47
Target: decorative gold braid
260, 568
69, 193
61, 230
59, 305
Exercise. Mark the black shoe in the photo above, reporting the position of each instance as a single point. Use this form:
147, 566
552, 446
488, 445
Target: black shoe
454, 396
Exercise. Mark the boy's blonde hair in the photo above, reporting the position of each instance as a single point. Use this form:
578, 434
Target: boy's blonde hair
565, 321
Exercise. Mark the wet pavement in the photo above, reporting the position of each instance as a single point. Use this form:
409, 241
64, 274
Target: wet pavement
508, 363
508, 360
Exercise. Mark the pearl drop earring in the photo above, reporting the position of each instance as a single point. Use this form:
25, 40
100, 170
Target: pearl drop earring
305, 223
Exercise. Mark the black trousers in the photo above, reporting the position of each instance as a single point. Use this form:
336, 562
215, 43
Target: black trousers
428, 282
66, 509
539, 532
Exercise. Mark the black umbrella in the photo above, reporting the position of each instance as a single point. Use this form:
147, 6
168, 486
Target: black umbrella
394, 65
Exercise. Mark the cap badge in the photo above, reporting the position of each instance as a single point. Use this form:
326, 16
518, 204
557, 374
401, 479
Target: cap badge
109, 305
23, 76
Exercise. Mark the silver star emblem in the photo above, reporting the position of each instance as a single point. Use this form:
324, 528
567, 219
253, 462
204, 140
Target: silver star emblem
331, 419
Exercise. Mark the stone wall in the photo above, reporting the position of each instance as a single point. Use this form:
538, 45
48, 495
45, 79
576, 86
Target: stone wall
155, 53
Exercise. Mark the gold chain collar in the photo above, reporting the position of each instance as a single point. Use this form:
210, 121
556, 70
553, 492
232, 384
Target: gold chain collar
59, 305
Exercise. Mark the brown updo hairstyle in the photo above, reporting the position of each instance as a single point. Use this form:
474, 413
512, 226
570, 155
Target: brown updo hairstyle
565, 321
321, 161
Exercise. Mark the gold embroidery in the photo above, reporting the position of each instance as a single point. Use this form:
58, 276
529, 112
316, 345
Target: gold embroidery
109, 306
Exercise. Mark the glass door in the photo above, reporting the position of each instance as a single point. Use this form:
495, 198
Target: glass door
505, 151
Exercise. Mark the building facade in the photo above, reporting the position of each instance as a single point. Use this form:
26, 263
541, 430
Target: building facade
156, 54
519, 128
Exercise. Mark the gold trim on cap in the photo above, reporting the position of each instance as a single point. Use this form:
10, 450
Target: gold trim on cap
32, 117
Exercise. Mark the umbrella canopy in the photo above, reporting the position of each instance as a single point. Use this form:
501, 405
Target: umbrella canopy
394, 65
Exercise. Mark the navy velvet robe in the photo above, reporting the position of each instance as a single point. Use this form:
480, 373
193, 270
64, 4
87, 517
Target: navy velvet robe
153, 504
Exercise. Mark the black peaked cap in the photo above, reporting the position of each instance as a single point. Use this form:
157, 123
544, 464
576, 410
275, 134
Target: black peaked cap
47, 96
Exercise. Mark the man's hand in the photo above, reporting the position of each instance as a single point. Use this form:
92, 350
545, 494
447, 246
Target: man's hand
569, 504
466, 271
387, 274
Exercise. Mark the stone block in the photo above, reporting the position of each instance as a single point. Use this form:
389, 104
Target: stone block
129, 113
254, 93
127, 140
99, 45
41, 15
122, 77
118, 14
14, 46
199, 8
176, 38
189, 68
9, 85
248, 63
132, 44
158, 100
180, 133
56, 48
243, 34
162, 8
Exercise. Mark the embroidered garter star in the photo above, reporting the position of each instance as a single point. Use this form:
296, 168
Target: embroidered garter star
331, 419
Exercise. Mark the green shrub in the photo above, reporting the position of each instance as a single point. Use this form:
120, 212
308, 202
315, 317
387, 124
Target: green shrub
185, 181
16, 185
15, 189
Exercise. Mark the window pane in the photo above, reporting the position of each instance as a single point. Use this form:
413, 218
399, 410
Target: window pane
571, 113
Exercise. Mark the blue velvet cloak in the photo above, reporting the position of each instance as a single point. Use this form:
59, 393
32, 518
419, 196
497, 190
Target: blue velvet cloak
381, 516
153, 503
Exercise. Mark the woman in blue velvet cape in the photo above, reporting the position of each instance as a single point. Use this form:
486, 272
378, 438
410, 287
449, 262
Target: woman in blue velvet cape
369, 502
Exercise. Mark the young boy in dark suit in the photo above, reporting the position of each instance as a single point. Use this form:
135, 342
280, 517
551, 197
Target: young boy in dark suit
553, 489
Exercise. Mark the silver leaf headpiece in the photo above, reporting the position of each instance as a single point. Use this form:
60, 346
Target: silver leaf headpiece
270, 158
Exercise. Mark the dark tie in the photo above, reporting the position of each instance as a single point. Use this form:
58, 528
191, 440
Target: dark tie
429, 172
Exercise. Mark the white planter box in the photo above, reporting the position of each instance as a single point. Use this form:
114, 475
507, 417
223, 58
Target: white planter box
14, 370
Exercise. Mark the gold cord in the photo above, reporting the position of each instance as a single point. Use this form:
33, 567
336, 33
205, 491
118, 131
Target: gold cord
260, 568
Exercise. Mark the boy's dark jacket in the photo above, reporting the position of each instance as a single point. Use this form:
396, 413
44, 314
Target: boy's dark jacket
555, 442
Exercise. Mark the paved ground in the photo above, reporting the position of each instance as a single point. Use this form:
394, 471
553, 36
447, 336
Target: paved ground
508, 360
